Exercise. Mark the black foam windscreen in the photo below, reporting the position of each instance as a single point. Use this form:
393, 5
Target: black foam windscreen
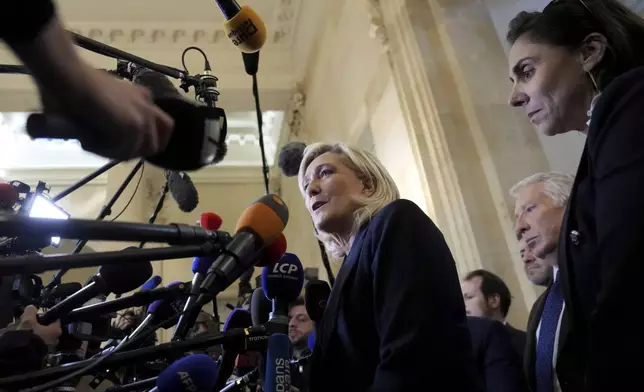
260, 307
159, 84
183, 190
315, 297
290, 158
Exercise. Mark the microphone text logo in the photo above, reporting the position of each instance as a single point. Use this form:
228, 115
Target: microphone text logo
284, 268
282, 375
243, 33
186, 380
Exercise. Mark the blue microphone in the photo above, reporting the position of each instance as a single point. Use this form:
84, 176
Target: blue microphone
278, 364
282, 283
238, 318
152, 284
311, 340
200, 266
194, 373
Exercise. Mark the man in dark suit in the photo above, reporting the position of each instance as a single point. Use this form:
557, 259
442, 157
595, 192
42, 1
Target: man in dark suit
497, 361
539, 209
487, 295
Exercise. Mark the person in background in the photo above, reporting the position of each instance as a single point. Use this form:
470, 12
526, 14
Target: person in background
578, 66
300, 327
538, 272
395, 319
499, 365
550, 364
487, 295
118, 119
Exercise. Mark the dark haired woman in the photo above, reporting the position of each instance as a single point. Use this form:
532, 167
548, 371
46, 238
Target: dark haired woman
579, 66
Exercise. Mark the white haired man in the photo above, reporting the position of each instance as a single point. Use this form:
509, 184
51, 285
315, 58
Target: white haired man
539, 209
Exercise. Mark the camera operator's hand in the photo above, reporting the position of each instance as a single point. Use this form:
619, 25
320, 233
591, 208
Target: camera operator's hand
48, 333
115, 118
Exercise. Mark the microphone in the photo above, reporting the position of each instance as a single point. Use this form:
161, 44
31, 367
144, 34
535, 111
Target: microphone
310, 341
278, 365
260, 307
210, 221
110, 279
238, 318
282, 283
8, 197
259, 225
290, 157
194, 373
183, 190
200, 266
152, 284
59, 293
243, 26
315, 297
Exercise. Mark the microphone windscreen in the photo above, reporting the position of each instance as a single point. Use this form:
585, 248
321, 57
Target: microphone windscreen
197, 372
210, 221
246, 30
201, 264
283, 279
165, 309
266, 217
183, 190
121, 280
8, 196
260, 307
152, 284
315, 297
238, 318
290, 158
273, 252
278, 364
159, 85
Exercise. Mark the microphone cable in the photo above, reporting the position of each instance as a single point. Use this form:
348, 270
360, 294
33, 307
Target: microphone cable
98, 360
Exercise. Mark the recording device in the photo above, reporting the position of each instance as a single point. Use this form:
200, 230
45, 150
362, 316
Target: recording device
110, 279
183, 190
59, 293
278, 365
194, 373
290, 157
43, 207
8, 197
259, 225
243, 26
315, 297
282, 284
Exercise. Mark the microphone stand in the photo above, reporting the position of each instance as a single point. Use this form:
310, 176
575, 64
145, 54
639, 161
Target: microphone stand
105, 211
158, 208
85, 180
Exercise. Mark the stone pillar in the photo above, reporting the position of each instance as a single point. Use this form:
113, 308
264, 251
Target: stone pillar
450, 73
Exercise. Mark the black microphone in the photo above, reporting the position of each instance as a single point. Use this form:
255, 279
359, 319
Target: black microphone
260, 307
290, 157
183, 190
110, 279
315, 297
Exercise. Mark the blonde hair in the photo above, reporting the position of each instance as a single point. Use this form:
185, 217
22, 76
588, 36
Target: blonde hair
369, 170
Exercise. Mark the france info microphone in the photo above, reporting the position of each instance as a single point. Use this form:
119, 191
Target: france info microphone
238, 318
183, 190
194, 373
278, 364
110, 279
315, 298
243, 26
259, 226
282, 284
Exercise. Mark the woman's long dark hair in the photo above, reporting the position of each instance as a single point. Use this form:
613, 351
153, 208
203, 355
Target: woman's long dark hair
567, 23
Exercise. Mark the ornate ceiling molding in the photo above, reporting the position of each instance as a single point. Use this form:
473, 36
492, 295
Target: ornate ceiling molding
295, 116
377, 24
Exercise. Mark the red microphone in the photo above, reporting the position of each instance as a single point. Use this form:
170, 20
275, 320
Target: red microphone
210, 221
8, 197
273, 252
